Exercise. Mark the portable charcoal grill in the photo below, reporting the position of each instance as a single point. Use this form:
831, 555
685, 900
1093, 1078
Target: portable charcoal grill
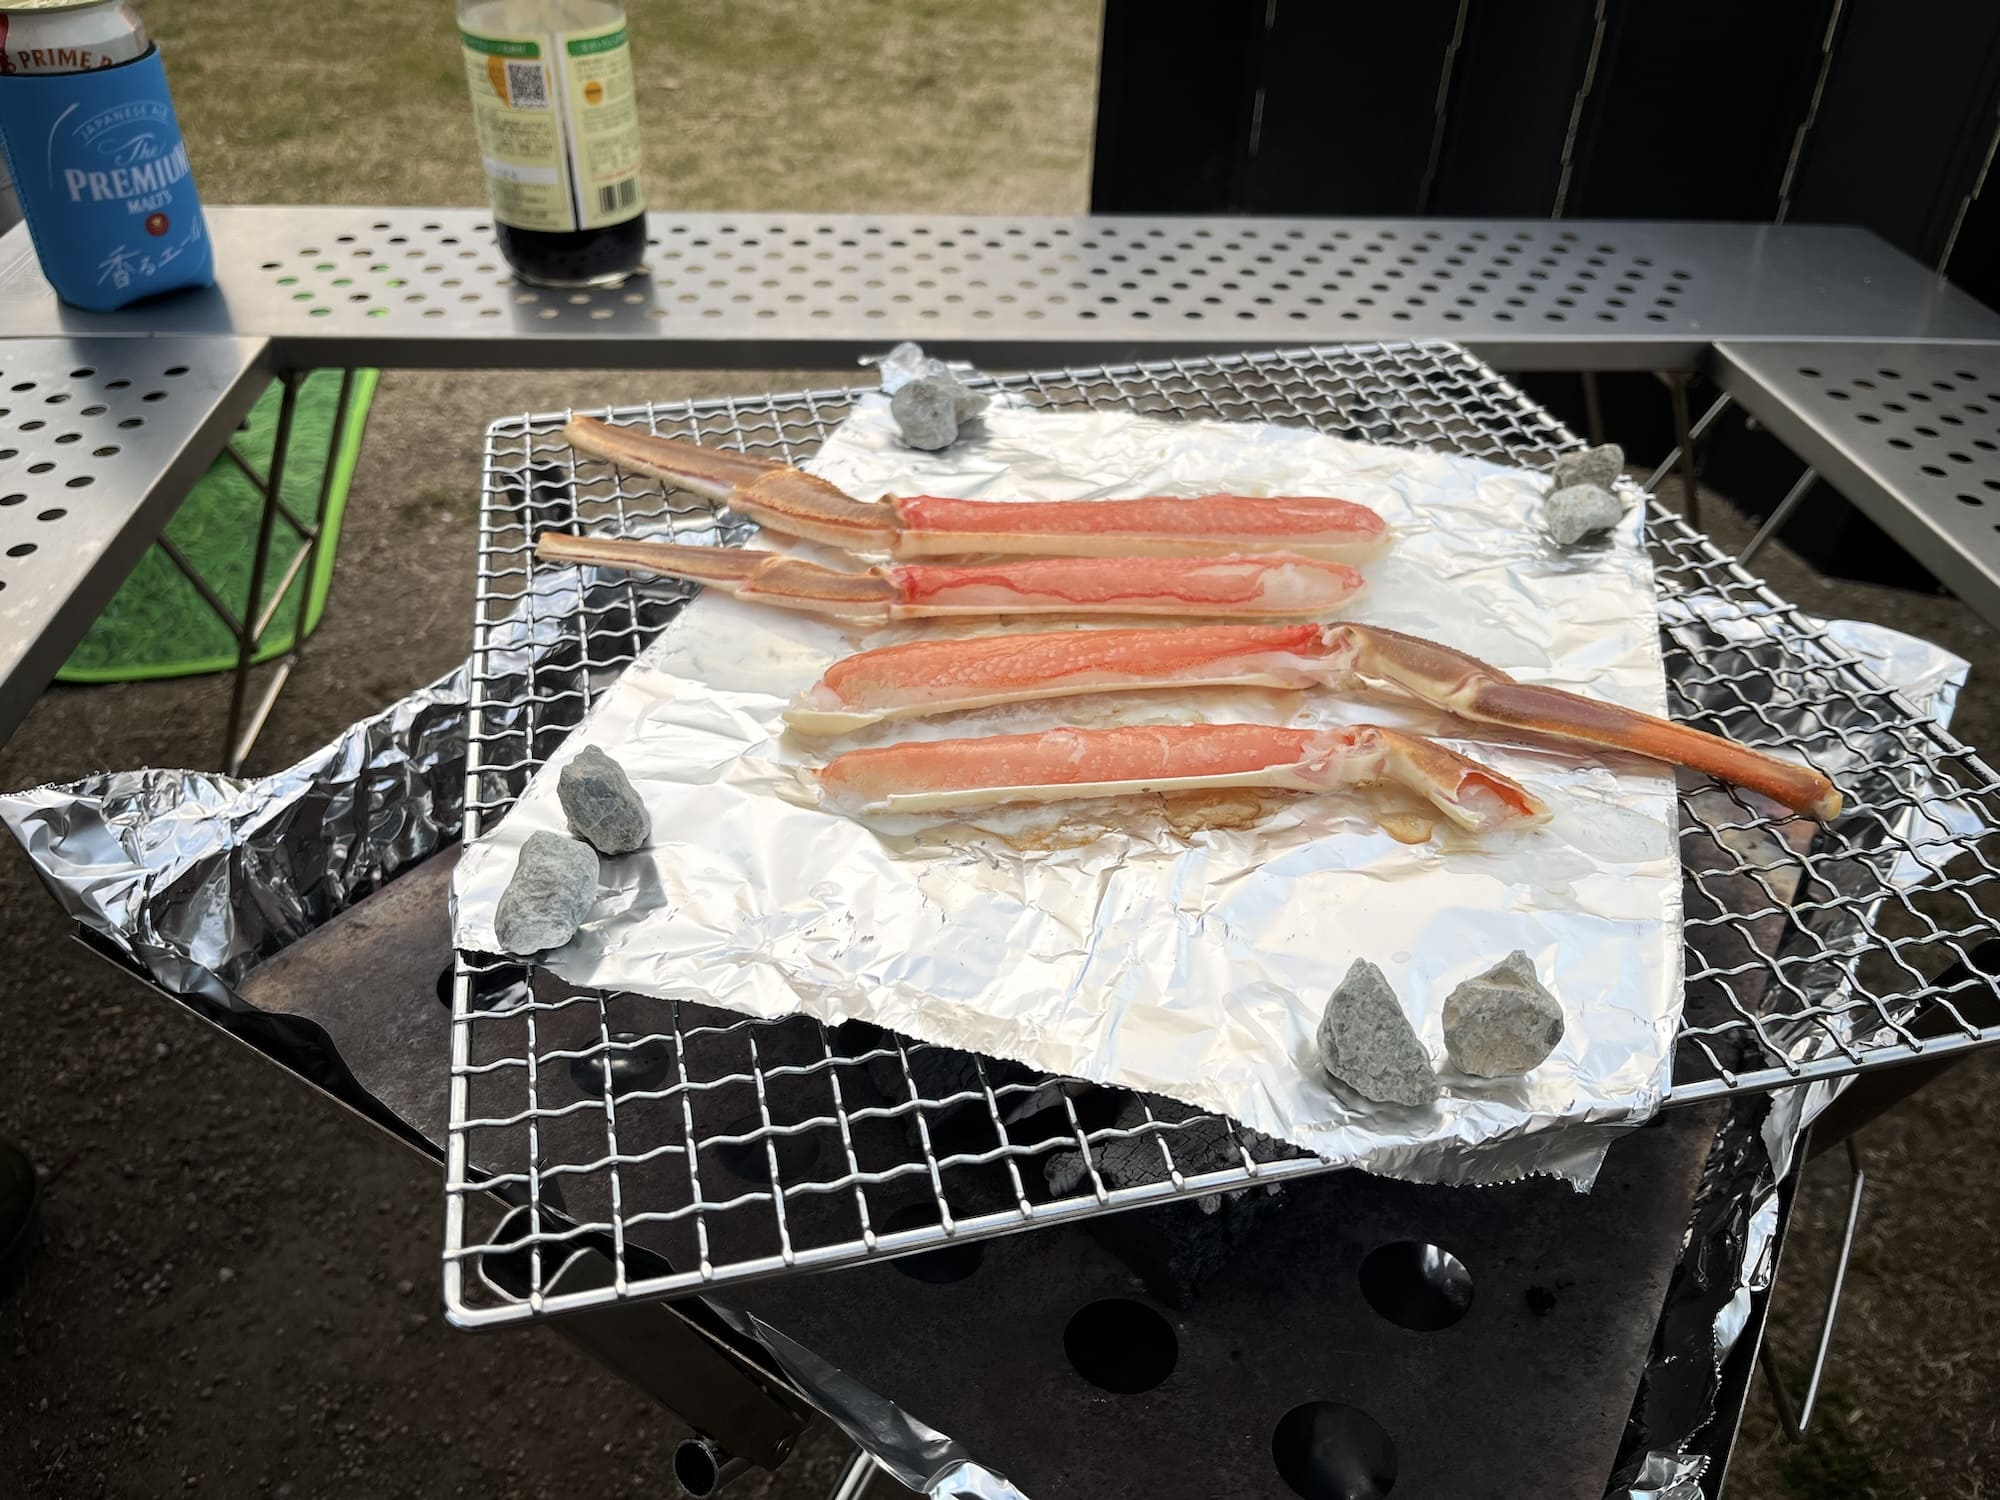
688, 1148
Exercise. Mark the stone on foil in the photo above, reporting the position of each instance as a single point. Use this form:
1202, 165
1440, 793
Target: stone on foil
1367, 1043
1502, 1023
1577, 510
551, 893
1599, 466
928, 402
598, 800
926, 411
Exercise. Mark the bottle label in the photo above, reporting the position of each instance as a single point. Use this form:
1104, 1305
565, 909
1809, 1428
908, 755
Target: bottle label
557, 126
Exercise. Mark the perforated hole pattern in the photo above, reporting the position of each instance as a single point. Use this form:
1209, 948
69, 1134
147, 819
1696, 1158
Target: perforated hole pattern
1937, 415
792, 270
1808, 949
57, 436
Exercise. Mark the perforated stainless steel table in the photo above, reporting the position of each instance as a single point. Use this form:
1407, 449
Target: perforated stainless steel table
426, 287
1909, 433
99, 440
301, 288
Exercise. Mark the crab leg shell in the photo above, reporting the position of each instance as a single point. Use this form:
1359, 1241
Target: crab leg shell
913, 528
1064, 764
1272, 585
772, 494
927, 677
766, 577
1319, 527
1473, 690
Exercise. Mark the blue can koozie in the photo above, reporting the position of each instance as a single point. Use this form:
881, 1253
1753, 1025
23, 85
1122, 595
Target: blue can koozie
103, 175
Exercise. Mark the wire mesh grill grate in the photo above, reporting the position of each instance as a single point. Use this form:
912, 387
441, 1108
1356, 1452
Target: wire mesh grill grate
653, 1147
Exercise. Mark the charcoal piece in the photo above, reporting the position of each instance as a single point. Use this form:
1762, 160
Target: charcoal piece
602, 808
1502, 1023
926, 411
1580, 510
1366, 1042
1600, 466
554, 885
1176, 1247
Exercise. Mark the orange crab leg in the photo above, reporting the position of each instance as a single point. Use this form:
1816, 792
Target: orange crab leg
1063, 764
932, 677
1270, 586
915, 527
1473, 690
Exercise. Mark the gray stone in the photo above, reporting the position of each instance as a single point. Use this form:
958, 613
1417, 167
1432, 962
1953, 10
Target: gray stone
1599, 466
1576, 511
554, 886
926, 411
1502, 1023
598, 800
1367, 1043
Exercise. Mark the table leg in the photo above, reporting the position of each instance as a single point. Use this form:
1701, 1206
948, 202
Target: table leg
1794, 498
233, 749
1684, 443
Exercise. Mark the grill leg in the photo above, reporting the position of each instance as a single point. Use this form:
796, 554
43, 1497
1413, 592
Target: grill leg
855, 1478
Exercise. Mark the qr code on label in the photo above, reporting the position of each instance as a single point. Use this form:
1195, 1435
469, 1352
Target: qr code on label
527, 87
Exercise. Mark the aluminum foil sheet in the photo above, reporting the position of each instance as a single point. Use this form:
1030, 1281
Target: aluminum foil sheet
1127, 947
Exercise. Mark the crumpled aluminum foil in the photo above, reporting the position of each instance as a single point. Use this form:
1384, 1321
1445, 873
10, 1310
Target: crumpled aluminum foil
1126, 950
1729, 1259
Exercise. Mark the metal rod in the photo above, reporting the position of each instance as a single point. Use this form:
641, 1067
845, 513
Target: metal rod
282, 587
1593, 409
201, 586
1677, 392
315, 539
1811, 116
246, 640
1794, 497
266, 701
1438, 110
1796, 1421
1702, 423
1965, 204
855, 1478
1583, 89
263, 487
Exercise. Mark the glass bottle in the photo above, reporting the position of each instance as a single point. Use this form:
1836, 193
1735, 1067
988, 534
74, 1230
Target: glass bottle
552, 101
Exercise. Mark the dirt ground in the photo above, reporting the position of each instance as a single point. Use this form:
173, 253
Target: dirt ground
239, 1289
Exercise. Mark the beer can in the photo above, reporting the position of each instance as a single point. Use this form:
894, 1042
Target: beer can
68, 36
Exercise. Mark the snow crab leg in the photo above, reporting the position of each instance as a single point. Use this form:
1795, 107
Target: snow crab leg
933, 677
1064, 764
914, 527
1273, 585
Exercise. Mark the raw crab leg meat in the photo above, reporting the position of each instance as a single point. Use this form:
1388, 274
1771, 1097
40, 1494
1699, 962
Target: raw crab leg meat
1273, 585
1061, 764
910, 527
932, 677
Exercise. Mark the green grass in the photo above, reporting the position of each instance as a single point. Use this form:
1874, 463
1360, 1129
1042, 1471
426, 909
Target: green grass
917, 105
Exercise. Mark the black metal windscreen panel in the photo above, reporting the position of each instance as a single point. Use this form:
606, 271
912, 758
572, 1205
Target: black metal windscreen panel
660, 1146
